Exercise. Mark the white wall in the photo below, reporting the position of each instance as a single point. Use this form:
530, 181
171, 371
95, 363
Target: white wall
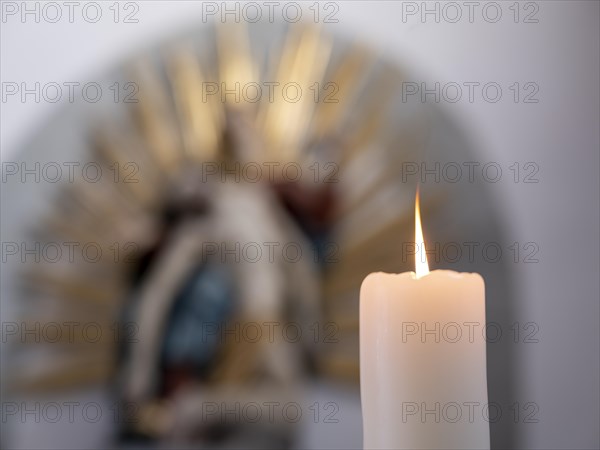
560, 133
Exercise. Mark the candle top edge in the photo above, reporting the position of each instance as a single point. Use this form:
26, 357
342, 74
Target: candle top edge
433, 273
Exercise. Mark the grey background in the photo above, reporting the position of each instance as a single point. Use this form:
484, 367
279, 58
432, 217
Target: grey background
560, 133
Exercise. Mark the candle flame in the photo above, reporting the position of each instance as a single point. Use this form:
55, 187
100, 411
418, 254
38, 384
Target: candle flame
421, 266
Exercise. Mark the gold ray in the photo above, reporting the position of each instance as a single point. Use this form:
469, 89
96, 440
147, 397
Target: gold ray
122, 150
155, 117
365, 126
200, 115
107, 292
237, 69
303, 62
336, 97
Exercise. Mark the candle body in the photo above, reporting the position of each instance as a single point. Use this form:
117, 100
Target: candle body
422, 361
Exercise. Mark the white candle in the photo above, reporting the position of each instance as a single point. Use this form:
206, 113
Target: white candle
422, 358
